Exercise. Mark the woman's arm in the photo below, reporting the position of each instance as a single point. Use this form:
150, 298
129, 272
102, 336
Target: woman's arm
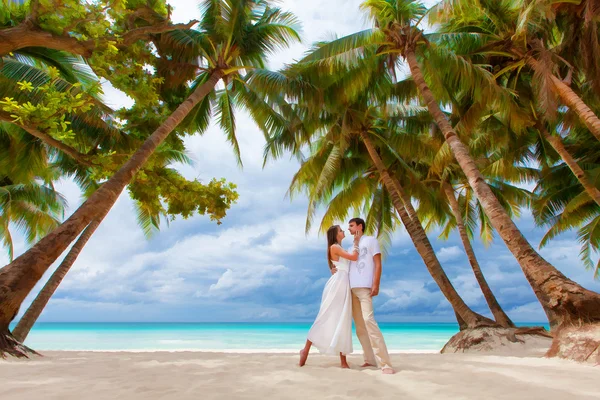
338, 251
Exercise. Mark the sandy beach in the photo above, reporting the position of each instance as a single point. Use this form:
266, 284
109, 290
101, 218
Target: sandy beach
194, 375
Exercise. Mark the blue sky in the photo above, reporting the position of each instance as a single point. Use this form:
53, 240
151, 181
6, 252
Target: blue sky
259, 265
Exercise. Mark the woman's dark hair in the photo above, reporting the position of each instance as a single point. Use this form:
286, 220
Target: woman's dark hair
359, 221
332, 233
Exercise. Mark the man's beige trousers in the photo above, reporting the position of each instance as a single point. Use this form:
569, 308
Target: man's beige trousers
367, 330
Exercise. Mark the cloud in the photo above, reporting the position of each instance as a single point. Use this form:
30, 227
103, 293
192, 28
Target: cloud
529, 312
236, 283
449, 253
405, 294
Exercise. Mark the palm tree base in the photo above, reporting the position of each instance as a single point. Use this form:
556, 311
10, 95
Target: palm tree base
12, 347
491, 339
577, 343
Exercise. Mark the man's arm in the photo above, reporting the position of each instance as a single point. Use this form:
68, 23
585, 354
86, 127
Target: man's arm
376, 266
376, 274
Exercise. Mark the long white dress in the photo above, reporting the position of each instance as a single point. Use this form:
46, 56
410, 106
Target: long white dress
331, 332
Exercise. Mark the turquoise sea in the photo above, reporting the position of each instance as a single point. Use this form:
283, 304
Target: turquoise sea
232, 337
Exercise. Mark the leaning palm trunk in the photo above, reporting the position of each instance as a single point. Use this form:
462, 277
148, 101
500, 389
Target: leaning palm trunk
499, 315
573, 101
565, 302
37, 306
421, 241
462, 325
559, 146
20, 276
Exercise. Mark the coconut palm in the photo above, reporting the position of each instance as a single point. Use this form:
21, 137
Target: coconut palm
29, 201
156, 192
502, 156
557, 143
94, 127
397, 35
564, 130
347, 121
34, 208
462, 212
580, 44
523, 34
563, 204
34, 311
31, 156
534, 92
233, 36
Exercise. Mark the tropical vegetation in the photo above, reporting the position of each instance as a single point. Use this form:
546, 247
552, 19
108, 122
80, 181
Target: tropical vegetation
431, 119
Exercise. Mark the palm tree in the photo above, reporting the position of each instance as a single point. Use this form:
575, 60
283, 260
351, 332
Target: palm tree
396, 34
499, 315
501, 156
156, 191
460, 209
579, 45
521, 32
413, 225
562, 203
232, 37
28, 319
531, 94
34, 208
344, 117
558, 145
28, 200
36, 67
560, 128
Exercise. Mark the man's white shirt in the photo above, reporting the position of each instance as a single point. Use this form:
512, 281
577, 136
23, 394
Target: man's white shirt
361, 271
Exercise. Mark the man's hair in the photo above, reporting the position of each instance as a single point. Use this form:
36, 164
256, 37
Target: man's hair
359, 221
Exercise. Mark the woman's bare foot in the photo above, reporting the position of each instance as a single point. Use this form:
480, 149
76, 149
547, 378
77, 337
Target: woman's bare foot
303, 357
365, 365
343, 361
388, 371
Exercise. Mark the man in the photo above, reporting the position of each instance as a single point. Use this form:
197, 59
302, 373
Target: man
365, 275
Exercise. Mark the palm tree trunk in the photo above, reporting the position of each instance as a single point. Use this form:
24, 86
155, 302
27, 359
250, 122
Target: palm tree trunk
573, 101
462, 325
421, 241
20, 276
37, 306
564, 301
558, 145
499, 314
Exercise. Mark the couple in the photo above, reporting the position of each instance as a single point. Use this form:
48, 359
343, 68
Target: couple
348, 294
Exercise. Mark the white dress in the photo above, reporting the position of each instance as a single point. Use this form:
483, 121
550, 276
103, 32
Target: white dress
331, 332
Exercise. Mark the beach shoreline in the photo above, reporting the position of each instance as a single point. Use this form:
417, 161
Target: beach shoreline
224, 351
95, 375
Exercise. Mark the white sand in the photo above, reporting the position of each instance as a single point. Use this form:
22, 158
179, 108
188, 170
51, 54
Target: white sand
197, 375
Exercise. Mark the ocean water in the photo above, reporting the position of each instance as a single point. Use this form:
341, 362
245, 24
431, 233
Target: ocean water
231, 337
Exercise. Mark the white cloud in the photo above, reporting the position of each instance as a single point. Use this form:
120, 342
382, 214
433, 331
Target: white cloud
235, 283
449, 253
405, 294
530, 312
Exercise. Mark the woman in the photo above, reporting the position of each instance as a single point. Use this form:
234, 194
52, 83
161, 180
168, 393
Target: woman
331, 332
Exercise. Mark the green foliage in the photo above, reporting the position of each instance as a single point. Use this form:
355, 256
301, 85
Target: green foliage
54, 104
167, 193
28, 201
134, 46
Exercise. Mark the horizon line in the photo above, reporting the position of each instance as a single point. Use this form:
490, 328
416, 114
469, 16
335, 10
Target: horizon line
249, 322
